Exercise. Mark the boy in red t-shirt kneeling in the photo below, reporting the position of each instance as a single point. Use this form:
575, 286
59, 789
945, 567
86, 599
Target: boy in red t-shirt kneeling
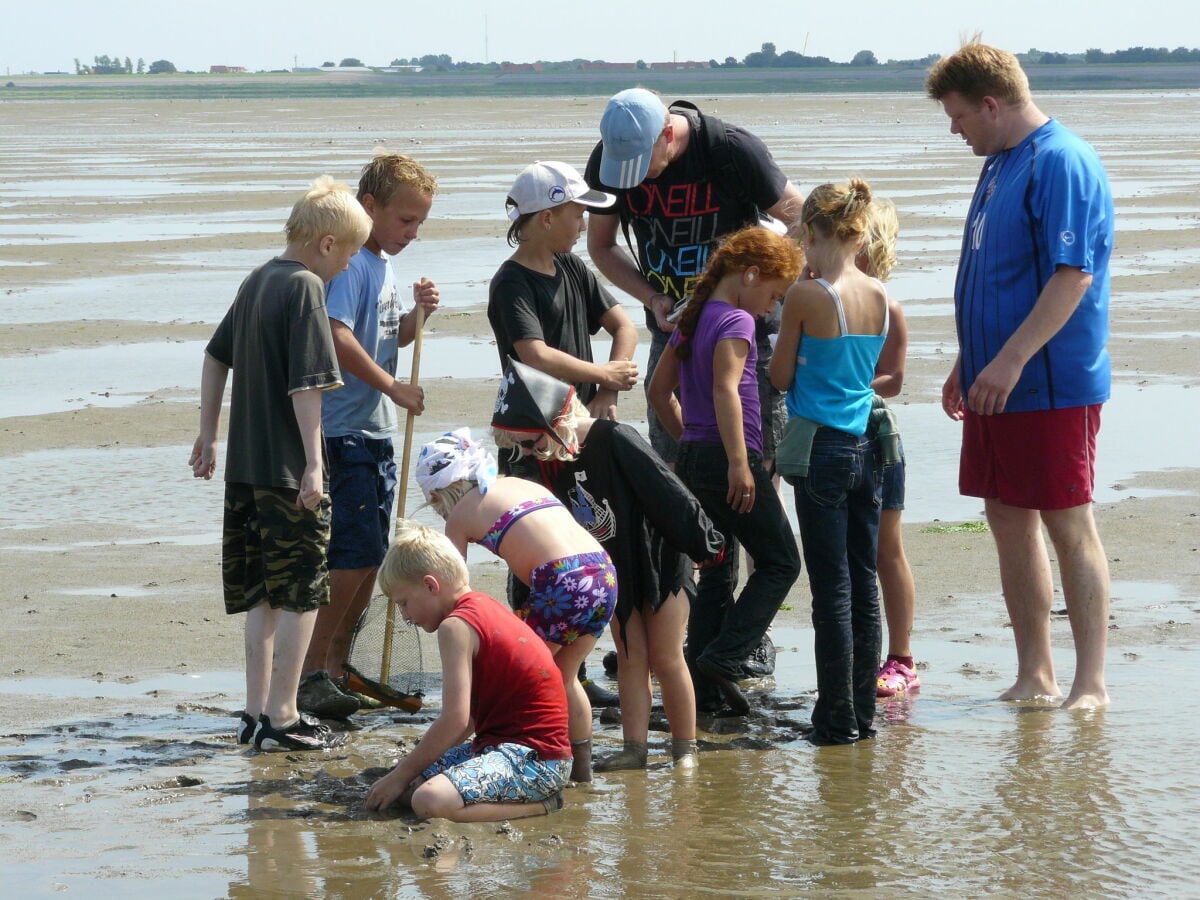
499, 682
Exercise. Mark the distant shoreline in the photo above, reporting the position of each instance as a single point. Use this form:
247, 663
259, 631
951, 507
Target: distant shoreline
839, 79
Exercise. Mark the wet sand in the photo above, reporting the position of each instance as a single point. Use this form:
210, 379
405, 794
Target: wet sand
120, 671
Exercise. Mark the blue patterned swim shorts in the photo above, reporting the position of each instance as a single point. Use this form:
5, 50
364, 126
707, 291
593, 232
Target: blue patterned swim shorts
506, 773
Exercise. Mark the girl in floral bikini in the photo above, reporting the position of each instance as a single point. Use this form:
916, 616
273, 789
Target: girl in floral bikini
572, 582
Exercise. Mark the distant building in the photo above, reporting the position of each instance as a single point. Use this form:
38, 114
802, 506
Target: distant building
226, 70
601, 66
507, 67
688, 64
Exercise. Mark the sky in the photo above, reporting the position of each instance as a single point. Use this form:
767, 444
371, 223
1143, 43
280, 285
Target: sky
48, 35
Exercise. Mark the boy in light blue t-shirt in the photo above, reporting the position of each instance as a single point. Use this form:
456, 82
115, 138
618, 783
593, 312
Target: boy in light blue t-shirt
369, 324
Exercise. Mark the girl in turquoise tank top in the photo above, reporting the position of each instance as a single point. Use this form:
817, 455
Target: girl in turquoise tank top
833, 328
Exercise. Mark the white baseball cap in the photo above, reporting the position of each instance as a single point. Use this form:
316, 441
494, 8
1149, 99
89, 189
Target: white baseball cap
545, 185
629, 128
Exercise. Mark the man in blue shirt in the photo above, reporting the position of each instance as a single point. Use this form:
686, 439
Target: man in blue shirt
1031, 309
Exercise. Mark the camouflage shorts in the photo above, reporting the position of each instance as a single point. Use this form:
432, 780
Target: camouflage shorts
273, 550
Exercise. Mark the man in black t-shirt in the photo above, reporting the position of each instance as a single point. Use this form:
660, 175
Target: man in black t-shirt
679, 190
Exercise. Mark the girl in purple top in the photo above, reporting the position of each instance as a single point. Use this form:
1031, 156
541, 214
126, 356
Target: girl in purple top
711, 359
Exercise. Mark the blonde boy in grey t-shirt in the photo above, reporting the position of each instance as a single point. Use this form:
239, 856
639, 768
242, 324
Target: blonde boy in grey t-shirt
275, 337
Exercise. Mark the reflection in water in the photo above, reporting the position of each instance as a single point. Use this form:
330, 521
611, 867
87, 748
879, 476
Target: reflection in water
278, 859
682, 828
1053, 791
864, 793
304, 836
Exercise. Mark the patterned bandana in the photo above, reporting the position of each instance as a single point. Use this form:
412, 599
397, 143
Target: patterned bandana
454, 457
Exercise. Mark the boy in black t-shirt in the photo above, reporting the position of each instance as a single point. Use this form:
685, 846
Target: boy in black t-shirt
544, 304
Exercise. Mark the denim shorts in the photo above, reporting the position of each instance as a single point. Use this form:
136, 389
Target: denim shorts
505, 773
891, 484
362, 485
273, 550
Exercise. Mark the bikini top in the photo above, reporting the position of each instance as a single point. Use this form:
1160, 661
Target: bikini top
491, 540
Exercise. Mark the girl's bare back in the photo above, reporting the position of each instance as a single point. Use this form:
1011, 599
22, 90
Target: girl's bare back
863, 301
536, 538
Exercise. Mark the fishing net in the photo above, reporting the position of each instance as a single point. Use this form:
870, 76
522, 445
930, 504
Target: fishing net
411, 659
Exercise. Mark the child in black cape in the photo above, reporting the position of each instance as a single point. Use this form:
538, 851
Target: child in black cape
619, 489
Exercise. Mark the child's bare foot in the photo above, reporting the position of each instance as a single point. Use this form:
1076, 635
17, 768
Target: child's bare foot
1086, 699
1032, 689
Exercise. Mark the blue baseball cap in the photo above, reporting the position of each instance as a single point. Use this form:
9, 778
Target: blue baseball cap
630, 126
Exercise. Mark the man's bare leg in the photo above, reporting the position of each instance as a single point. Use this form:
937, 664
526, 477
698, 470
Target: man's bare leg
1084, 570
350, 591
1028, 593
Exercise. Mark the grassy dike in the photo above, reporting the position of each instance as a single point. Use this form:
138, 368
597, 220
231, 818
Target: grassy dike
841, 79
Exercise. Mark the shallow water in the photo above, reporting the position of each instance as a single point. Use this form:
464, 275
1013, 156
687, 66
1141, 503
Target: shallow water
140, 492
958, 796
59, 380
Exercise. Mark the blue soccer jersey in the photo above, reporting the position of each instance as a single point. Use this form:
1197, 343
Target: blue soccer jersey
1041, 204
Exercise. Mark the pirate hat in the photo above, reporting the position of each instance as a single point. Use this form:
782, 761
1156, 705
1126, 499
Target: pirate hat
530, 401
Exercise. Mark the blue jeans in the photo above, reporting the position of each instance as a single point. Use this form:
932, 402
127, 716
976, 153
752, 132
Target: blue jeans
721, 630
837, 504
664, 445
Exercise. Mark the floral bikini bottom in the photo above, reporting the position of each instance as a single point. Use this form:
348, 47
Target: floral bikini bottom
571, 597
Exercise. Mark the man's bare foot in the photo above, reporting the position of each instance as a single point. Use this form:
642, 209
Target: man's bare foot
1032, 689
1086, 700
